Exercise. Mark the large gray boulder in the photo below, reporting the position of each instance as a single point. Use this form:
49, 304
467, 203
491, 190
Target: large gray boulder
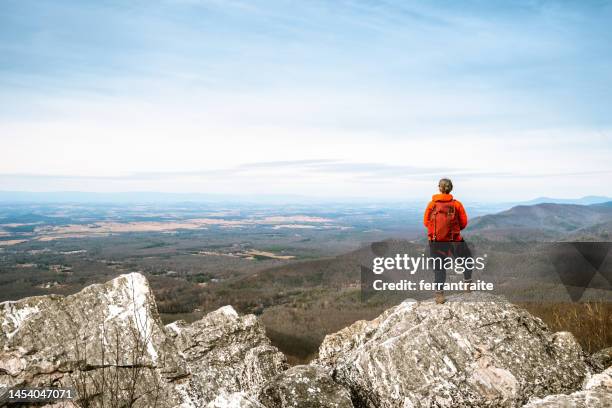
225, 354
108, 343
106, 337
475, 350
304, 387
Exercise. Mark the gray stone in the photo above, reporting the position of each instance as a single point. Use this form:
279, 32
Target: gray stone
234, 400
475, 350
106, 337
601, 381
304, 387
225, 353
108, 342
601, 359
597, 392
580, 399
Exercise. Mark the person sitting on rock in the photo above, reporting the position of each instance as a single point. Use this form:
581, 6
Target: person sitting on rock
444, 219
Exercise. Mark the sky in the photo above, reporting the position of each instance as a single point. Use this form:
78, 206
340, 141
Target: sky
326, 99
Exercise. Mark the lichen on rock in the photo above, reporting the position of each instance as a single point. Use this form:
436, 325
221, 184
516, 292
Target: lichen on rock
304, 386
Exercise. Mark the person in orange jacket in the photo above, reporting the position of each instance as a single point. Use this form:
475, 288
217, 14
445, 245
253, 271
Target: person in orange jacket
444, 219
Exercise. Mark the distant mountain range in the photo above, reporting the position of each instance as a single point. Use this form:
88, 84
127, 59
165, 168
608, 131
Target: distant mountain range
587, 200
547, 221
541, 222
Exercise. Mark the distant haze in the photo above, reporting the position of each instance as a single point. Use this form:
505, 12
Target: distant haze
486, 206
317, 99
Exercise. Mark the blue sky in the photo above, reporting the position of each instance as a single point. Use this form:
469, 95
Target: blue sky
338, 98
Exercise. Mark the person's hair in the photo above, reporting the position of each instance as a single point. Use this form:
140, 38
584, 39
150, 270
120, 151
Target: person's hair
446, 186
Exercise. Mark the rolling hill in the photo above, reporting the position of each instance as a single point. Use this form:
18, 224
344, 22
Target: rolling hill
547, 221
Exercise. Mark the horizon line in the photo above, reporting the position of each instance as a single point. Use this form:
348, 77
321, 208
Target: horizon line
55, 196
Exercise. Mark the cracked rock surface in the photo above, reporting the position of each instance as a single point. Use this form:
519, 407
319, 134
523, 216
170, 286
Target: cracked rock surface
108, 343
475, 350
225, 354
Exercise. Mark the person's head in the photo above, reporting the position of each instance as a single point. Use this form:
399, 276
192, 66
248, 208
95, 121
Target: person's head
445, 186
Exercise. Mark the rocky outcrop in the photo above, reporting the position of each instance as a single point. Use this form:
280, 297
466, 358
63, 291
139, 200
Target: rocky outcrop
476, 350
108, 343
95, 340
304, 387
225, 353
597, 392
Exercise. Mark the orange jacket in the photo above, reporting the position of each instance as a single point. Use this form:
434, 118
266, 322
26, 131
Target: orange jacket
463, 219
